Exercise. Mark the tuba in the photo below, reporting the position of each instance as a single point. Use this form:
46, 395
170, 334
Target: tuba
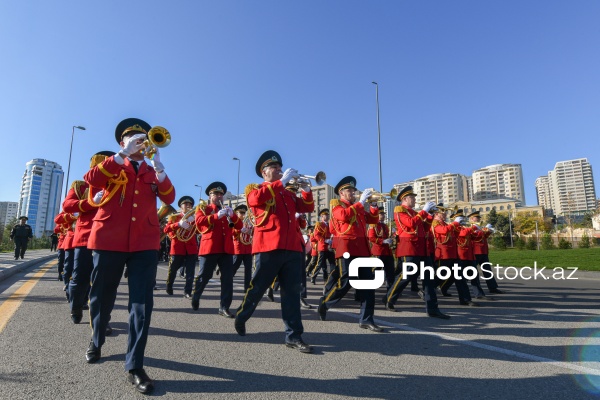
158, 137
246, 238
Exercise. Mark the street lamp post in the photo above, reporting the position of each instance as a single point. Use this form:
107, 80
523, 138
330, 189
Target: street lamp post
378, 135
70, 152
199, 186
238, 182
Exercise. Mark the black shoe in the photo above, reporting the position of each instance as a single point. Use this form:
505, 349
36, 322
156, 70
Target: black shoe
125, 273
390, 307
240, 327
371, 327
195, 304
304, 304
140, 380
60, 278
92, 354
414, 289
313, 280
85, 307
181, 275
108, 330
225, 312
270, 294
446, 294
76, 316
325, 277
21, 257
187, 296
484, 297
322, 309
469, 303
169, 291
438, 314
300, 346
16, 258
496, 291
384, 300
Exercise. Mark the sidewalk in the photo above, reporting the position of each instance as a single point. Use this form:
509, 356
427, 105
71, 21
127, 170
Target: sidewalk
9, 266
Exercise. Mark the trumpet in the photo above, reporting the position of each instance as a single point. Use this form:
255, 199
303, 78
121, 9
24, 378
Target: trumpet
229, 221
301, 180
158, 137
381, 197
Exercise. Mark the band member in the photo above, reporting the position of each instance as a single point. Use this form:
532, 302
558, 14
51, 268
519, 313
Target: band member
53, 241
412, 248
381, 240
214, 221
242, 245
465, 240
77, 202
446, 253
276, 246
126, 232
322, 236
60, 252
349, 224
184, 246
67, 221
481, 251
21, 234
310, 249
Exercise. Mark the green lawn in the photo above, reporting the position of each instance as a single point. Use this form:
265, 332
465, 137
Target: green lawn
584, 259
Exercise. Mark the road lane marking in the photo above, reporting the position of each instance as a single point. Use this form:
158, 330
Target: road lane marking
11, 305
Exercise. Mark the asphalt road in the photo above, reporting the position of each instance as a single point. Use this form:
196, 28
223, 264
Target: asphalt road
541, 339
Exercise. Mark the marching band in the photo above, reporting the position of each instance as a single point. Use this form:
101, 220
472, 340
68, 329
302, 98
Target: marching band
109, 221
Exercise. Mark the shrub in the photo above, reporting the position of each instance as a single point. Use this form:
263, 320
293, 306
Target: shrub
564, 244
531, 243
499, 243
585, 242
519, 243
547, 242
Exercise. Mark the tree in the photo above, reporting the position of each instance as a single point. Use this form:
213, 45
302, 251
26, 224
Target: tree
500, 222
585, 242
6, 243
547, 242
498, 242
525, 222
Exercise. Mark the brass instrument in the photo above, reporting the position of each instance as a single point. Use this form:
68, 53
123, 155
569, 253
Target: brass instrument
246, 238
230, 222
381, 197
185, 234
163, 213
301, 180
158, 137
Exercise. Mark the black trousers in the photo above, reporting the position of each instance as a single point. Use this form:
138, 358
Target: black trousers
106, 276
400, 282
188, 261
79, 285
461, 284
390, 270
338, 285
491, 283
208, 263
20, 246
324, 258
246, 259
69, 264
287, 266
61, 262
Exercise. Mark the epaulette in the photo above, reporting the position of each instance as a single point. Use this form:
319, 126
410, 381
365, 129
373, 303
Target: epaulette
334, 203
76, 186
172, 218
250, 187
399, 209
435, 223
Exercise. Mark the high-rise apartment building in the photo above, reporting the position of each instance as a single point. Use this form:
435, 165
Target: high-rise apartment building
543, 193
8, 212
441, 188
571, 187
500, 181
41, 194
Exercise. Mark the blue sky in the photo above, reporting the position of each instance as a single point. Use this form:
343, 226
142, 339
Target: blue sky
462, 85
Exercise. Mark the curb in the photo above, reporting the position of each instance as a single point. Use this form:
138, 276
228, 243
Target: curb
8, 272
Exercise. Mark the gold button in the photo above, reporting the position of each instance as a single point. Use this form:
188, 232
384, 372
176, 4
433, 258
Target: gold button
138, 179
137, 192
133, 218
135, 205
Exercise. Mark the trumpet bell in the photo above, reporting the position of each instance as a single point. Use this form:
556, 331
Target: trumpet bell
158, 137
320, 178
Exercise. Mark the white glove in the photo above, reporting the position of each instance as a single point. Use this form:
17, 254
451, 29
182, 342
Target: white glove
459, 219
222, 212
191, 219
98, 197
229, 211
245, 230
76, 215
388, 241
184, 224
328, 241
131, 145
288, 174
365, 195
430, 205
489, 226
155, 161
373, 204
298, 215
305, 187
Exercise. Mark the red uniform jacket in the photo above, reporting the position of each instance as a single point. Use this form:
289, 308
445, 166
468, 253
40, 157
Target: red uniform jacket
179, 248
61, 232
377, 234
445, 240
349, 226
429, 239
216, 233
275, 211
76, 202
67, 226
480, 244
411, 232
321, 233
242, 242
128, 222
465, 242
314, 243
